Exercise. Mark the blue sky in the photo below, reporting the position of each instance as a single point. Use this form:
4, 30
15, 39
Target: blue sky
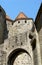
14, 7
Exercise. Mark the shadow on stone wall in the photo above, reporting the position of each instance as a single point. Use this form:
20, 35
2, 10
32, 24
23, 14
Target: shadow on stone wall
3, 26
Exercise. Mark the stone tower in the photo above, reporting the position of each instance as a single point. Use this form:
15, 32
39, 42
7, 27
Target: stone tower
2, 24
38, 24
21, 42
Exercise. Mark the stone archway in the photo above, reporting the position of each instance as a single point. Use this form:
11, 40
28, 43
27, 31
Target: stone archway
19, 57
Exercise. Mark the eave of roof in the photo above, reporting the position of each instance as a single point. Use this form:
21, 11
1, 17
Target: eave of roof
8, 18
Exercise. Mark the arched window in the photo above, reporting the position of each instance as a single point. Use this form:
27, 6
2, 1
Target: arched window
18, 54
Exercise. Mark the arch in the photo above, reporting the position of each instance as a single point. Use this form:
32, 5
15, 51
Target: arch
14, 54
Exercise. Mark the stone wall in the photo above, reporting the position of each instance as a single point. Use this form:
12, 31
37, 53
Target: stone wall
39, 30
18, 38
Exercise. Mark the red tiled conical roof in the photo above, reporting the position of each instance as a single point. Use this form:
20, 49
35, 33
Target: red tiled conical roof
21, 15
